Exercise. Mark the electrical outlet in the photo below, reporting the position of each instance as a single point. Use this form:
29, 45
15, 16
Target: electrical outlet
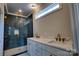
45, 33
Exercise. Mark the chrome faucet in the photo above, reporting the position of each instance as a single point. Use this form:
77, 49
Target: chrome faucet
59, 38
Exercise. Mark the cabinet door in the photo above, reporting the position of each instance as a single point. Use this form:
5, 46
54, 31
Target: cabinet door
32, 47
42, 50
49, 49
29, 46
38, 52
38, 49
45, 53
55, 51
46, 50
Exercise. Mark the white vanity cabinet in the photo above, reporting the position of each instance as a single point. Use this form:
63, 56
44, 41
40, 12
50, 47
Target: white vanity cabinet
36, 48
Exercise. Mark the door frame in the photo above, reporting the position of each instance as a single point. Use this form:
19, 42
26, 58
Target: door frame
74, 12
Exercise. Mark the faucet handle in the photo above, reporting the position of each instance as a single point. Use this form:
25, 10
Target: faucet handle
56, 39
63, 39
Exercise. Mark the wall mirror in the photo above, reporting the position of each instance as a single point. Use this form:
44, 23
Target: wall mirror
51, 8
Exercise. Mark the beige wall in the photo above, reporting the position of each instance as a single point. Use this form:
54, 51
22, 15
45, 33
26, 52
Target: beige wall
54, 23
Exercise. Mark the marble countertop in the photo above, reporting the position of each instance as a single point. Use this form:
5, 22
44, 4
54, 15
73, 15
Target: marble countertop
67, 45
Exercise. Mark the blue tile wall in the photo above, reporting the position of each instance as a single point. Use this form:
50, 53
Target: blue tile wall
11, 41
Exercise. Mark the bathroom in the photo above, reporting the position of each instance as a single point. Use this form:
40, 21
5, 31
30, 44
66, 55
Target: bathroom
41, 29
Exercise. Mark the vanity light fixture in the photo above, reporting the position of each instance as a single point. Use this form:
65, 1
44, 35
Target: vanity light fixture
47, 10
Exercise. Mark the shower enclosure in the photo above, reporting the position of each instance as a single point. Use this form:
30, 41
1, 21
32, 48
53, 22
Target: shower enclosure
16, 31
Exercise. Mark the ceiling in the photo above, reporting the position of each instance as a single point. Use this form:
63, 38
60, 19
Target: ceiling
25, 7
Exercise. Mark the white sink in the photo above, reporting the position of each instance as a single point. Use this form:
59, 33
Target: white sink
50, 41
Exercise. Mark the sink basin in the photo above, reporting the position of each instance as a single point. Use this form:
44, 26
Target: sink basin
50, 41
